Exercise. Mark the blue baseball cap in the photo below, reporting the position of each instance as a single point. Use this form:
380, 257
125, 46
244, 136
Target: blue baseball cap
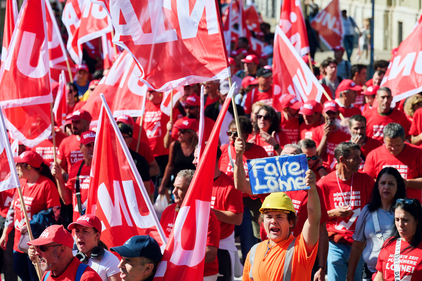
140, 246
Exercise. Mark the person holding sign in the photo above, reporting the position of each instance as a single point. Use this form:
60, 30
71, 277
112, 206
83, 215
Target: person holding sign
400, 257
283, 256
345, 191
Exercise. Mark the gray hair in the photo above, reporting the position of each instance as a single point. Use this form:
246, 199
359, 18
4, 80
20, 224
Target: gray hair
186, 174
307, 143
385, 89
344, 149
394, 130
297, 148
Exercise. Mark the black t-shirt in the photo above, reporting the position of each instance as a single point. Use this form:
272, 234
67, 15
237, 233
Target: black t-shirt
141, 164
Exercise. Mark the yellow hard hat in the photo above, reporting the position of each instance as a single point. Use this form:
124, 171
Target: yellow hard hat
277, 201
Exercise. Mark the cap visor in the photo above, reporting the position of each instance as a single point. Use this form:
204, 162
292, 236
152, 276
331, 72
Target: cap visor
296, 106
247, 61
124, 251
306, 111
266, 75
330, 109
356, 88
74, 224
17, 159
39, 242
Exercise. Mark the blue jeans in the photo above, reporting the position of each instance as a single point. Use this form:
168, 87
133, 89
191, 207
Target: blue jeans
348, 41
23, 267
338, 262
247, 239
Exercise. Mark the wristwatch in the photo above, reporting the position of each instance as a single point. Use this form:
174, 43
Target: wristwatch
323, 268
277, 146
319, 168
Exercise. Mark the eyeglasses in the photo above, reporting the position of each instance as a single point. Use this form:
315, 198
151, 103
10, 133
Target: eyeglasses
312, 158
44, 248
406, 201
230, 134
190, 107
266, 117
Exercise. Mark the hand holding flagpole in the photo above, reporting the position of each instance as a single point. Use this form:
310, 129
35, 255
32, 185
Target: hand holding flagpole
236, 116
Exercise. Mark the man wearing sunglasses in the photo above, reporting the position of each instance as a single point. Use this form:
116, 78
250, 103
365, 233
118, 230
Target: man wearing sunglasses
54, 250
314, 162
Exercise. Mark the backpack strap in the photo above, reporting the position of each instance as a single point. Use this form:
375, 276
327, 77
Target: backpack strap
377, 228
288, 261
46, 276
80, 271
251, 259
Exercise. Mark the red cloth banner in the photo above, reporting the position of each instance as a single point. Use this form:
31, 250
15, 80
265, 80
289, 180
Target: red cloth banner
9, 25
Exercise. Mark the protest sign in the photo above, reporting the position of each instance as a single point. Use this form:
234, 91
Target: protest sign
279, 173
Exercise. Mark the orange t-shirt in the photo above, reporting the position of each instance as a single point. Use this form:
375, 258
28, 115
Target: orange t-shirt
272, 266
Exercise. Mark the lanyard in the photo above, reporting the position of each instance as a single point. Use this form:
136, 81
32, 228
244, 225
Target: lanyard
341, 190
397, 260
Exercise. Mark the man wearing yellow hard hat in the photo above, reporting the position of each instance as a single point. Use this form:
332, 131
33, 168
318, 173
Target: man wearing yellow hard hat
283, 256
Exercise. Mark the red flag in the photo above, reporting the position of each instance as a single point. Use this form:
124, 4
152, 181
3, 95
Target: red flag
173, 43
165, 105
253, 19
117, 195
122, 89
404, 74
293, 25
60, 104
227, 24
9, 25
328, 24
109, 50
8, 177
292, 73
57, 51
71, 18
183, 258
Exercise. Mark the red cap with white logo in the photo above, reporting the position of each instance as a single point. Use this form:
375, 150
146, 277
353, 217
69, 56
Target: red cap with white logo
87, 137
310, 107
125, 119
330, 106
372, 90
54, 234
187, 124
251, 58
347, 84
87, 221
192, 100
290, 101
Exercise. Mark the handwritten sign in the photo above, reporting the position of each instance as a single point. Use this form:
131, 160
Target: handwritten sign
279, 173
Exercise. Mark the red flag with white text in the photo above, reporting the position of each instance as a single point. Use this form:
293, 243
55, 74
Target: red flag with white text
174, 43
293, 25
117, 195
71, 18
404, 73
328, 25
184, 256
60, 104
110, 51
253, 19
9, 25
122, 89
292, 73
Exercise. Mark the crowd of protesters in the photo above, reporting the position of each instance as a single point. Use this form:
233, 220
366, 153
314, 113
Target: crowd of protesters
360, 219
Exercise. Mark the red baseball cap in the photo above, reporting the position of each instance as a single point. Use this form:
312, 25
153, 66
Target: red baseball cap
125, 119
54, 233
87, 221
193, 100
87, 137
310, 107
232, 61
372, 90
29, 157
306, 60
241, 51
290, 101
82, 67
338, 48
269, 67
347, 84
249, 80
187, 123
250, 59
94, 83
330, 106
79, 115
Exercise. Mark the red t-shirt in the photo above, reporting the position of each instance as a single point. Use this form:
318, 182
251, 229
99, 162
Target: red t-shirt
208, 126
70, 273
334, 139
144, 150
45, 148
365, 108
210, 101
6, 198
280, 137
369, 145
306, 131
375, 123
224, 164
360, 98
84, 178
42, 195
290, 128
168, 218
408, 163
69, 152
226, 198
416, 127
336, 193
144, 138
348, 112
410, 262
265, 97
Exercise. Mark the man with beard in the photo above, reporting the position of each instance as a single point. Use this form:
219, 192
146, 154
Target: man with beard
54, 250
377, 118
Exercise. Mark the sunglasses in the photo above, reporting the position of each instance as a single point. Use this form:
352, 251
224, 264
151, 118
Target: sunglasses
230, 133
266, 117
182, 131
406, 201
190, 107
312, 158
44, 248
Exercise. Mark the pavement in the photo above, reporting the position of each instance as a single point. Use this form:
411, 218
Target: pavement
378, 55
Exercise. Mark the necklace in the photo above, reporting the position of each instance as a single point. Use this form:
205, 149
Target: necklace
341, 190
268, 249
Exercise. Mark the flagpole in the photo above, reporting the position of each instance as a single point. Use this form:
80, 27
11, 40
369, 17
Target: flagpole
141, 123
68, 69
310, 62
236, 116
171, 105
53, 134
114, 45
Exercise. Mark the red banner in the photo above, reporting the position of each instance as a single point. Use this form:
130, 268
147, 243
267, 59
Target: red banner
253, 19
117, 195
60, 104
9, 25
71, 18
292, 73
404, 74
184, 256
110, 51
293, 25
328, 24
173, 43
